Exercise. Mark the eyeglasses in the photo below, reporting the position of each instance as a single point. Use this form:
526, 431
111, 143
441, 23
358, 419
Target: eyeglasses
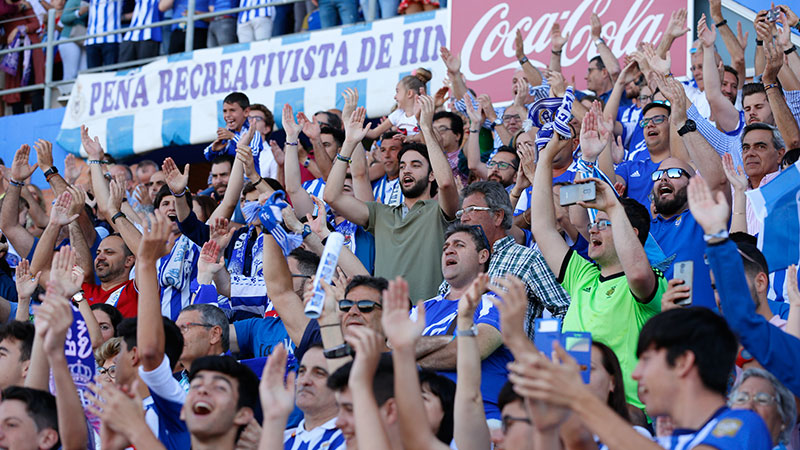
600, 225
257, 118
300, 275
364, 306
674, 173
111, 371
512, 117
502, 165
655, 119
470, 209
509, 420
442, 129
185, 327
760, 398
645, 98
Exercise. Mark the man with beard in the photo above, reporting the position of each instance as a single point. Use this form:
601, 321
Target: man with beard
221, 168
387, 188
407, 236
503, 167
113, 265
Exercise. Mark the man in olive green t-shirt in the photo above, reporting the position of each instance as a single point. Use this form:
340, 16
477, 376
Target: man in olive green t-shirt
614, 297
409, 236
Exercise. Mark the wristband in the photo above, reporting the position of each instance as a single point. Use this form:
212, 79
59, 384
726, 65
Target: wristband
291, 143
344, 158
556, 52
185, 190
117, 216
475, 131
722, 234
723, 23
759, 42
523, 60
770, 86
260, 179
337, 352
50, 172
789, 52
96, 161
18, 184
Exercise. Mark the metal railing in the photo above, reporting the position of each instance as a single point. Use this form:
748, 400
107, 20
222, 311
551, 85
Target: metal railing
189, 19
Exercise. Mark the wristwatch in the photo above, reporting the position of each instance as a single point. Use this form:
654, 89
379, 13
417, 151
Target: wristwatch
497, 122
51, 171
471, 331
78, 297
306, 230
687, 127
718, 236
338, 351
599, 41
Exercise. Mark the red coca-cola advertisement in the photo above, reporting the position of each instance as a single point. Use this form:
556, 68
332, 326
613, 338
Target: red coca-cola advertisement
483, 32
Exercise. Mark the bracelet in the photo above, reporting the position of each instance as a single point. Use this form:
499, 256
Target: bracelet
475, 131
723, 23
117, 216
759, 42
291, 143
523, 60
97, 161
344, 158
260, 179
18, 184
185, 190
770, 86
556, 52
789, 52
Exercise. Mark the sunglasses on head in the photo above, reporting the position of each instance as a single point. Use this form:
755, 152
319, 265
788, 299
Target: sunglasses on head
365, 306
674, 173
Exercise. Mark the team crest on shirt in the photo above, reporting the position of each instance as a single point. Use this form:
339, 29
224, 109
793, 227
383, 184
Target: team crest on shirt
610, 292
727, 428
678, 221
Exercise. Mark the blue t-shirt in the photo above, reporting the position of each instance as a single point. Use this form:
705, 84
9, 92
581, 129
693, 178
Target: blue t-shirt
179, 10
681, 239
257, 337
439, 316
637, 179
727, 429
172, 431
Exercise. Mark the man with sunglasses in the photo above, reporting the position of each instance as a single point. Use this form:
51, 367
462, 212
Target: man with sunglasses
465, 255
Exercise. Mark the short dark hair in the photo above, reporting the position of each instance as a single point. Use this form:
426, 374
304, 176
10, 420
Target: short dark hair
307, 261
753, 88
248, 381
333, 119
382, 382
22, 332
164, 192
445, 389
213, 315
456, 123
790, 157
222, 159
422, 150
338, 135
700, 331
752, 258
238, 98
509, 149
507, 396
389, 134
638, 216
597, 59
776, 138
125, 250
378, 283
476, 233
269, 119
147, 163
173, 339
652, 105
731, 71
40, 406
112, 313
496, 198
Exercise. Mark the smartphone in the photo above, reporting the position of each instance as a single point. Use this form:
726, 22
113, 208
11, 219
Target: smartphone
579, 192
684, 270
773, 14
579, 346
546, 332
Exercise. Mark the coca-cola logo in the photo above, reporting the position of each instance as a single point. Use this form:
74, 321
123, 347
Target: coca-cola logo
484, 33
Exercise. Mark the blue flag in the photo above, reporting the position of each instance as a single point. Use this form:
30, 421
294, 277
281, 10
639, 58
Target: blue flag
777, 205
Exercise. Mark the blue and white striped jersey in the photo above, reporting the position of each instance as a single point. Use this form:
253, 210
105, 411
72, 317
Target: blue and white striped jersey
727, 430
325, 436
315, 187
144, 13
104, 16
246, 16
388, 191
175, 274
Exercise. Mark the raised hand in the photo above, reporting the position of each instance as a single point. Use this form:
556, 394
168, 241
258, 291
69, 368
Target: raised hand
224, 134
71, 169
61, 272
26, 282
245, 155
276, 389
59, 212
791, 17
556, 38
792, 292
676, 291
774, 58
677, 24
712, 214
92, 145
594, 137
512, 306
471, 299
549, 388
176, 180
55, 316
520, 91
440, 97
451, 61
706, 34
486, 106
596, 25
142, 195
154, 241
476, 117
528, 156
398, 327
44, 153
116, 192
605, 198
367, 345
742, 38
289, 124
784, 38
355, 130
735, 175
558, 85
657, 63
350, 103
310, 127
209, 263
319, 224
220, 233
519, 46
120, 412
277, 153
20, 169
291, 221
426, 109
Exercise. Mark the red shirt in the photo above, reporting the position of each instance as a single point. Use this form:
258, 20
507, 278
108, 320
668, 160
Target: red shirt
126, 300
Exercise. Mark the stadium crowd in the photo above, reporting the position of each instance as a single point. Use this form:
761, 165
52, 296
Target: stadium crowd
577, 270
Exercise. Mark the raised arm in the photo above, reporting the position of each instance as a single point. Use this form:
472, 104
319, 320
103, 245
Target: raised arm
608, 58
276, 392
448, 189
241, 165
724, 112
59, 216
543, 216
26, 283
302, 203
279, 285
122, 224
453, 63
793, 321
558, 44
533, 74
18, 236
473, 149
675, 29
77, 239
728, 38
150, 330
177, 182
351, 208
780, 110
738, 180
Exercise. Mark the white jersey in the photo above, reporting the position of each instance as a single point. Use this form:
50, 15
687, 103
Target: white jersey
104, 16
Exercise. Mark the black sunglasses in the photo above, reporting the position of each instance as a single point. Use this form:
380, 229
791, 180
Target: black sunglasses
674, 173
365, 306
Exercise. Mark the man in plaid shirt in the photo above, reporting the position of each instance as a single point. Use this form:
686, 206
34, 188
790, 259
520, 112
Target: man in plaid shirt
486, 203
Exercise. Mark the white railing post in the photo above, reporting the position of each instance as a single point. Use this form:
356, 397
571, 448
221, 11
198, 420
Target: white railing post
190, 10
49, 56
